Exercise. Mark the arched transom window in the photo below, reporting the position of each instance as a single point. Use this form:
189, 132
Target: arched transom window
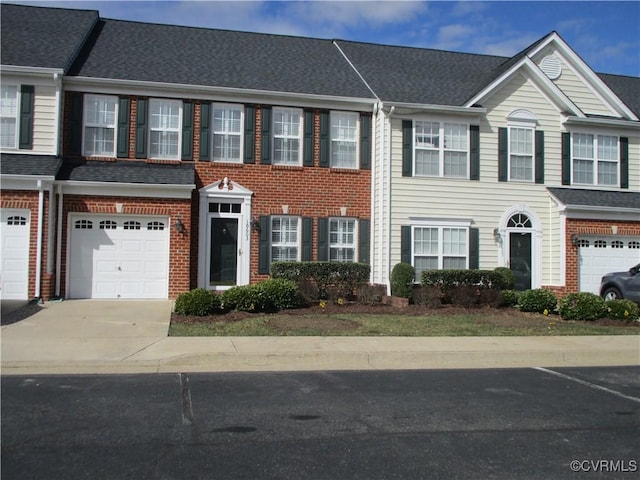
519, 220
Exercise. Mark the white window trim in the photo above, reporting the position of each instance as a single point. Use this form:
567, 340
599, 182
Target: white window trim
533, 152
356, 139
353, 246
595, 158
300, 136
239, 134
85, 124
16, 118
440, 226
178, 129
298, 244
441, 150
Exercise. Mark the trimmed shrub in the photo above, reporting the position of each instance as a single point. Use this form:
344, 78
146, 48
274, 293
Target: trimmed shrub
465, 296
509, 298
582, 306
198, 302
448, 280
509, 277
537, 301
267, 296
428, 296
622, 310
402, 276
243, 298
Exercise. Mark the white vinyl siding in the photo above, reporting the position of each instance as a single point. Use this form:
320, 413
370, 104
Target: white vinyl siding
9, 116
164, 136
441, 149
227, 133
344, 139
595, 159
287, 136
342, 240
438, 248
285, 239
100, 116
521, 164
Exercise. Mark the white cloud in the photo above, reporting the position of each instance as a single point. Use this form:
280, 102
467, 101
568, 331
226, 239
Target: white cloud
452, 37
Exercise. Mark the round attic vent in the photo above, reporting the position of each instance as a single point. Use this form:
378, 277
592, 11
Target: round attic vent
550, 65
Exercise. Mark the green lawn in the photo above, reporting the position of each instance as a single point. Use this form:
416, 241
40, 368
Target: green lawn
486, 322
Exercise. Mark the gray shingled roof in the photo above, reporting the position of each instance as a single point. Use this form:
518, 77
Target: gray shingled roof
575, 197
15, 164
43, 37
418, 75
197, 56
129, 171
627, 89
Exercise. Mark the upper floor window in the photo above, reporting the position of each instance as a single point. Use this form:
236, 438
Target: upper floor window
595, 159
164, 135
227, 133
521, 154
9, 116
441, 149
344, 139
285, 239
287, 136
342, 240
100, 117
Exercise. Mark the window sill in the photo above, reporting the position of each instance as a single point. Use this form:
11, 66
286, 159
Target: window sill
287, 167
345, 170
225, 164
163, 161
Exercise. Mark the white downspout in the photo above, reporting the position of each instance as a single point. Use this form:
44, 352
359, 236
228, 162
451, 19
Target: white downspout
381, 261
51, 227
388, 271
59, 241
39, 239
372, 226
58, 114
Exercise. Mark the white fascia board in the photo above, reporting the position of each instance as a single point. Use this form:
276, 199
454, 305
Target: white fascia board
114, 189
39, 71
431, 108
588, 212
606, 122
585, 73
549, 88
215, 94
24, 182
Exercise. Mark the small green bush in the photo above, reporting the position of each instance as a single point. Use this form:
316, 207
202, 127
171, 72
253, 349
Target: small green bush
622, 310
243, 298
448, 279
537, 300
402, 276
510, 298
267, 296
344, 277
582, 306
198, 302
509, 277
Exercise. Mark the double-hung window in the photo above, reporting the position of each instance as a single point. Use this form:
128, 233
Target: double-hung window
285, 239
441, 149
100, 116
164, 135
595, 159
342, 240
227, 133
9, 116
344, 139
287, 136
437, 248
521, 154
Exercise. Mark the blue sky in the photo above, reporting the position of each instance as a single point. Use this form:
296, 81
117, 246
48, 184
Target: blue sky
605, 34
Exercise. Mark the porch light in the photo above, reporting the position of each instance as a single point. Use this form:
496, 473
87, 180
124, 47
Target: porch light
255, 225
496, 235
179, 226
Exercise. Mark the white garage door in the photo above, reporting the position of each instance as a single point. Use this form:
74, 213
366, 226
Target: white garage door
14, 249
118, 257
600, 255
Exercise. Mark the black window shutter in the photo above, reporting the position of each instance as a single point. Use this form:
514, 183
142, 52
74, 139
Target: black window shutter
307, 239
503, 154
75, 123
405, 244
187, 131
307, 142
323, 239
474, 248
539, 167
266, 136
205, 132
365, 141
474, 143
325, 147
141, 127
624, 162
407, 148
124, 110
364, 226
249, 134
566, 158
264, 261
27, 98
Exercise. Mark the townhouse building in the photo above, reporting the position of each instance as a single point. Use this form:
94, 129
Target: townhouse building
164, 158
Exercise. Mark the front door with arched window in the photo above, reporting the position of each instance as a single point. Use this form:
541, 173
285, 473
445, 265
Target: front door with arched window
519, 229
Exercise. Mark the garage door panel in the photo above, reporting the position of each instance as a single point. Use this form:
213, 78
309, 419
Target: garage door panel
14, 254
601, 255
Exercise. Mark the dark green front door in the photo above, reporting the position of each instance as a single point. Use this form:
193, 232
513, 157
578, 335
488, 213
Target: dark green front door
520, 259
224, 247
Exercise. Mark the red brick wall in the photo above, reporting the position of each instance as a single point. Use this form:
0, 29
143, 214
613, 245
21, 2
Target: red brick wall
179, 251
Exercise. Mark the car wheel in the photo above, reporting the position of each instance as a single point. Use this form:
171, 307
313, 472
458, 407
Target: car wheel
612, 293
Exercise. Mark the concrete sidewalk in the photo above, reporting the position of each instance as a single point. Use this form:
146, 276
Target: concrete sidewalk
131, 337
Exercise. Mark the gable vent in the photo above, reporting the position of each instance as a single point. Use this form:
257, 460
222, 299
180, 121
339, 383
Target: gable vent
550, 65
